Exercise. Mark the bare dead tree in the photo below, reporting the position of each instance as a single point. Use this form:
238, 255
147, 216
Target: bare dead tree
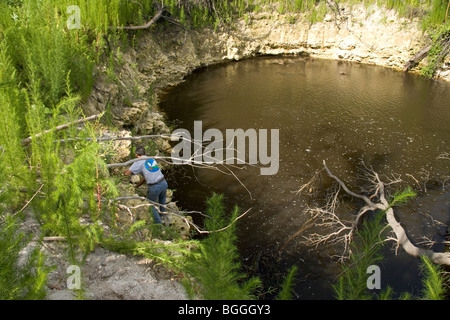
342, 231
224, 166
221, 166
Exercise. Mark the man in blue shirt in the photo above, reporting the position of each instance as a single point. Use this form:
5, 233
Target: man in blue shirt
152, 175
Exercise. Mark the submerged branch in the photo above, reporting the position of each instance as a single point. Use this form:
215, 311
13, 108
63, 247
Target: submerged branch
400, 234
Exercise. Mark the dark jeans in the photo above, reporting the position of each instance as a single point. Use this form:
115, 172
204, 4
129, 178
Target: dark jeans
157, 193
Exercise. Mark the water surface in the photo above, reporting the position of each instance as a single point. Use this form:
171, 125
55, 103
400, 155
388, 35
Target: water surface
352, 116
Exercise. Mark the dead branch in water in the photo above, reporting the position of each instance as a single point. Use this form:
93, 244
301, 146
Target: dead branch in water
342, 231
309, 185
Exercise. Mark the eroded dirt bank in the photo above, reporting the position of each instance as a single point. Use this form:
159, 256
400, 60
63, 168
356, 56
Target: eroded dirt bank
164, 56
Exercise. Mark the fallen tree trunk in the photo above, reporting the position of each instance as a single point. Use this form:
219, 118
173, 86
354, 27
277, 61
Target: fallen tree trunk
102, 139
416, 59
342, 231
148, 24
442, 258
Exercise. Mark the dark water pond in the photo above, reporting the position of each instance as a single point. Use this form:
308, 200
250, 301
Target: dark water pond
346, 114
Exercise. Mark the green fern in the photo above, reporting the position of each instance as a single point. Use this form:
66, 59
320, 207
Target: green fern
402, 197
366, 251
351, 285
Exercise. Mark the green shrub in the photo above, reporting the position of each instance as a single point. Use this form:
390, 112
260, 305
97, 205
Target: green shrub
216, 268
286, 288
440, 49
434, 280
21, 277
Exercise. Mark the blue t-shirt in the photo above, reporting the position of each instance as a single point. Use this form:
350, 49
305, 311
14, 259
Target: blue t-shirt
149, 169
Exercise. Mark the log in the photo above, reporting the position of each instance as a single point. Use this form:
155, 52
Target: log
172, 137
27, 141
416, 59
442, 258
147, 25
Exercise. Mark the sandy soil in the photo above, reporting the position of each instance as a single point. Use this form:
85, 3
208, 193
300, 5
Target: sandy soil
108, 275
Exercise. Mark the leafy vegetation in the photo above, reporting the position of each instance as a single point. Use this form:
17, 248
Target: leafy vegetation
352, 284
216, 267
439, 50
286, 288
21, 277
366, 251
434, 281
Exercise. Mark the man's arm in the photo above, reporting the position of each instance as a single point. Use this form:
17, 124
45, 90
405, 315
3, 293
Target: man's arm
134, 169
140, 183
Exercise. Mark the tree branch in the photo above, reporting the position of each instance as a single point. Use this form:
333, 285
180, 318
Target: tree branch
173, 212
400, 233
102, 139
27, 141
148, 24
416, 58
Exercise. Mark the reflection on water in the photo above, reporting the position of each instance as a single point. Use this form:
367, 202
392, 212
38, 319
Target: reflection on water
335, 111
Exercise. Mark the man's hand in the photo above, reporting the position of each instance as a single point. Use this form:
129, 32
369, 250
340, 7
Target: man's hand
140, 183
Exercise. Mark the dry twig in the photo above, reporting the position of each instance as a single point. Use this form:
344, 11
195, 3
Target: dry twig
180, 214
